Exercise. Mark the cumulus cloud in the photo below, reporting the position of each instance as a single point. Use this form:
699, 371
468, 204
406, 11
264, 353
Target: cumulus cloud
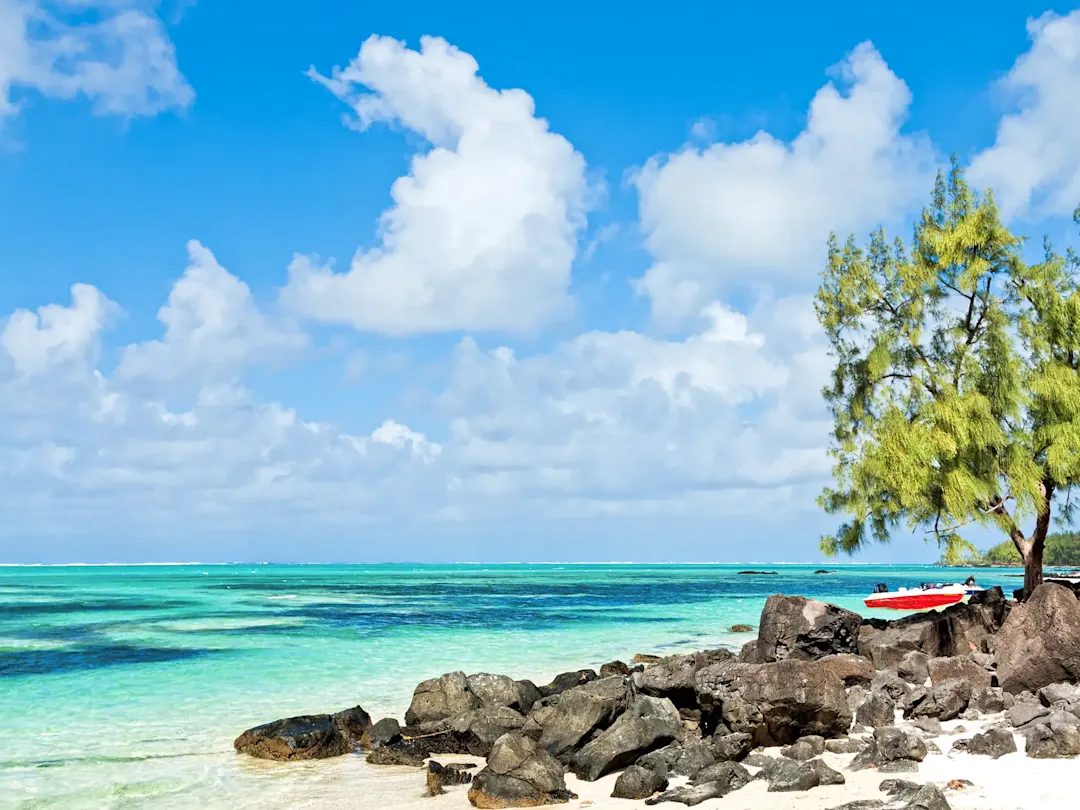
1034, 164
483, 229
115, 53
761, 210
212, 325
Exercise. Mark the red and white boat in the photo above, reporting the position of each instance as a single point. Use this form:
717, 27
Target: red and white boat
925, 597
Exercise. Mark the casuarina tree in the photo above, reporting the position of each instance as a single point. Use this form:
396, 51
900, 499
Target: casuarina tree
956, 392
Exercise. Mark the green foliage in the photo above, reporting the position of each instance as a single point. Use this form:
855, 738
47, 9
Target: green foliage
1062, 550
956, 393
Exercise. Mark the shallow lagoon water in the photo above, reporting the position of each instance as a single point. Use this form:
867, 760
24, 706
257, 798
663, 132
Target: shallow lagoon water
123, 687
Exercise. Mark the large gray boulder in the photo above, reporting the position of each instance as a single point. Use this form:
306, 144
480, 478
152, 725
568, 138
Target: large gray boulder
519, 774
957, 630
648, 723
776, 703
958, 667
877, 710
637, 782
478, 729
579, 713
994, 743
440, 698
804, 630
1039, 644
673, 677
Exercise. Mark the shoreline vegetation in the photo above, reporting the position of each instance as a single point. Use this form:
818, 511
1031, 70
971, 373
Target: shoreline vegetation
1062, 551
822, 709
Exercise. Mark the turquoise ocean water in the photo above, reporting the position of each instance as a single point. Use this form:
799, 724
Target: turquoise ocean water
123, 687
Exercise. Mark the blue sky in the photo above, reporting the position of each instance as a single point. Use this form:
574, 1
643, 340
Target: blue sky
582, 329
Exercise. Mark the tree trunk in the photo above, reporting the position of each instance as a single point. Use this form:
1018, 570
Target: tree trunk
1032, 554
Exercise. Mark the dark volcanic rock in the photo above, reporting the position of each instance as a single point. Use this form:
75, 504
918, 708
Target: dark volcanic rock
862, 804
1022, 714
927, 797
567, 680
899, 766
648, 723
519, 774
994, 742
849, 745
637, 782
477, 730
733, 747
315, 736
579, 712
897, 743
693, 757
876, 711
958, 668
789, 775
1055, 739
386, 731
731, 774
776, 703
913, 667
804, 629
690, 795
853, 670
946, 701
439, 776
988, 701
1039, 643
741, 628
415, 745
673, 677
804, 749
614, 668
953, 631
440, 698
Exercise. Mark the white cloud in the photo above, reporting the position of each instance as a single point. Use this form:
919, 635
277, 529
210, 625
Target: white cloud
1034, 164
483, 229
56, 334
212, 326
115, 53
761, 210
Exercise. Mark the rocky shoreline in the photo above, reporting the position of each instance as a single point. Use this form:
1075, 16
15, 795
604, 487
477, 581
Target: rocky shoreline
819, 693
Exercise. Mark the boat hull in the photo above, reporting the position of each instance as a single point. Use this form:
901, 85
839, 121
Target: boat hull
916, 600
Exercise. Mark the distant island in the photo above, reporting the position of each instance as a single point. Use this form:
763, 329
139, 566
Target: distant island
1062, 551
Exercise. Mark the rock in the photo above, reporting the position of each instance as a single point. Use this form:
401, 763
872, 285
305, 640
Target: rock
984, 660
731, 774
862, 804
775, 703
637, 782
899, 766
693, 757
853, 670
789, 775
769, 573
397, 754
416, 745
567, 680
662, 760
931, 725
440, 698
315, 736
438, 776
990, 700
495, 691
1059, 693
479, 728
946, 701
1039, 644
384, 732
876, 711
648, 723
957, 630
673, 677
994, 743
758, 760
580, 712
897, 743
642, 658
927, 797
960, 668
893, 685
1053, 740
741, 628
805, 630
1021, 714
519, 774
900, 789
614, 668
804, 749
732, 747
528, 696
690, 795
849, 745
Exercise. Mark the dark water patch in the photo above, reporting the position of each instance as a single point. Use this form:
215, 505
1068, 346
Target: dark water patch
96, 760
90, 657
9, 609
